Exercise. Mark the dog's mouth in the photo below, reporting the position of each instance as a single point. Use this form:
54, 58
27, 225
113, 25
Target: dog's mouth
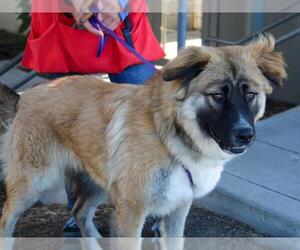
227, 148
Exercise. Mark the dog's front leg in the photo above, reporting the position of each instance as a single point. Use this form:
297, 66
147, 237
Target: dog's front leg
172, 227
127, 222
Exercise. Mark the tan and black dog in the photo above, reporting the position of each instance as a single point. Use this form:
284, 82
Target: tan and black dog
150, 150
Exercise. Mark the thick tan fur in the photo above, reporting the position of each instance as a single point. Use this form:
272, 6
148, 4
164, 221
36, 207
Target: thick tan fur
121, 135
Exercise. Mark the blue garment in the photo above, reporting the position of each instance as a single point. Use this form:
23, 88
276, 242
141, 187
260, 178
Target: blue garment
123, 3
123, 14
136, 74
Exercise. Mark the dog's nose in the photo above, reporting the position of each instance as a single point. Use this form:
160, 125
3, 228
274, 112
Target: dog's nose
244, 135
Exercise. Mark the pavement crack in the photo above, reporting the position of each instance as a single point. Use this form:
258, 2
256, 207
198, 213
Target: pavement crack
276, 146
262, 186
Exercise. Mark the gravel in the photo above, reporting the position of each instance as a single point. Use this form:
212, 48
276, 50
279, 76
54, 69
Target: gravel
48, 221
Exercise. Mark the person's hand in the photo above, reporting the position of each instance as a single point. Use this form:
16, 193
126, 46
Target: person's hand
108, 13
83, 19
109, 20
81, 14
82, 6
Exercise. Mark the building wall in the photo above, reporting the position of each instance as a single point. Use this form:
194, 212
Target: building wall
9, 22
290, 49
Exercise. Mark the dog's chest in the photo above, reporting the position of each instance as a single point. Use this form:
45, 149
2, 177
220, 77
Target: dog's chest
204, 174
175, 188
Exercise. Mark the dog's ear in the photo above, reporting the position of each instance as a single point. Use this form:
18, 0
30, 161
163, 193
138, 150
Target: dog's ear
187, 65
270, 62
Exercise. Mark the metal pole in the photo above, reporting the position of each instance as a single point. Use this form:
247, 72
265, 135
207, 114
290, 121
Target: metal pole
182, 23
257, 16
269, 27
288, 36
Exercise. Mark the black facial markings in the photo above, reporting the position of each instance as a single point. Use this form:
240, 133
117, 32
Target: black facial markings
233, 70
227, 89
223, 120
229, 83
245, 91
243, 83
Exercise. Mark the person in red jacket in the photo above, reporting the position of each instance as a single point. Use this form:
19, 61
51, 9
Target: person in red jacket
56, 46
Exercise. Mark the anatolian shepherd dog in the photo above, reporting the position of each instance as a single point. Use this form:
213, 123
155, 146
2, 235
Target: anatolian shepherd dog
150, 150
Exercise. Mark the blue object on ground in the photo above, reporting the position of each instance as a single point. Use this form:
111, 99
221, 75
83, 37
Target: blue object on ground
70, 229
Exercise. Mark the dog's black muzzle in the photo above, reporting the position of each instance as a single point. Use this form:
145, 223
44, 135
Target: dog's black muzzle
235, 140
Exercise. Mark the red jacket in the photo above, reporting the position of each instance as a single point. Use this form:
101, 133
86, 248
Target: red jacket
53, 46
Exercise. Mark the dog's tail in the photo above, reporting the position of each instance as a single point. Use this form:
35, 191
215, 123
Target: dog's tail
8, 106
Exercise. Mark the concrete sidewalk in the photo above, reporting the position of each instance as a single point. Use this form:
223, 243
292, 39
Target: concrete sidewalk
262, 187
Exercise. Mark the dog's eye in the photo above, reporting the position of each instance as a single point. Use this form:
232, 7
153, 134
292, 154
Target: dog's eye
218, 97
250, 96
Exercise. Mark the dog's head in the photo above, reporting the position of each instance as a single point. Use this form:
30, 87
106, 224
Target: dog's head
221, 93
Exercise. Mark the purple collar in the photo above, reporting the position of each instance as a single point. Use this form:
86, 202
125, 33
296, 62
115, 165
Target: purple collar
189, 175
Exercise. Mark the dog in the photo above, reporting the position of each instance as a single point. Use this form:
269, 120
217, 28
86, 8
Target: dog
148, 150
